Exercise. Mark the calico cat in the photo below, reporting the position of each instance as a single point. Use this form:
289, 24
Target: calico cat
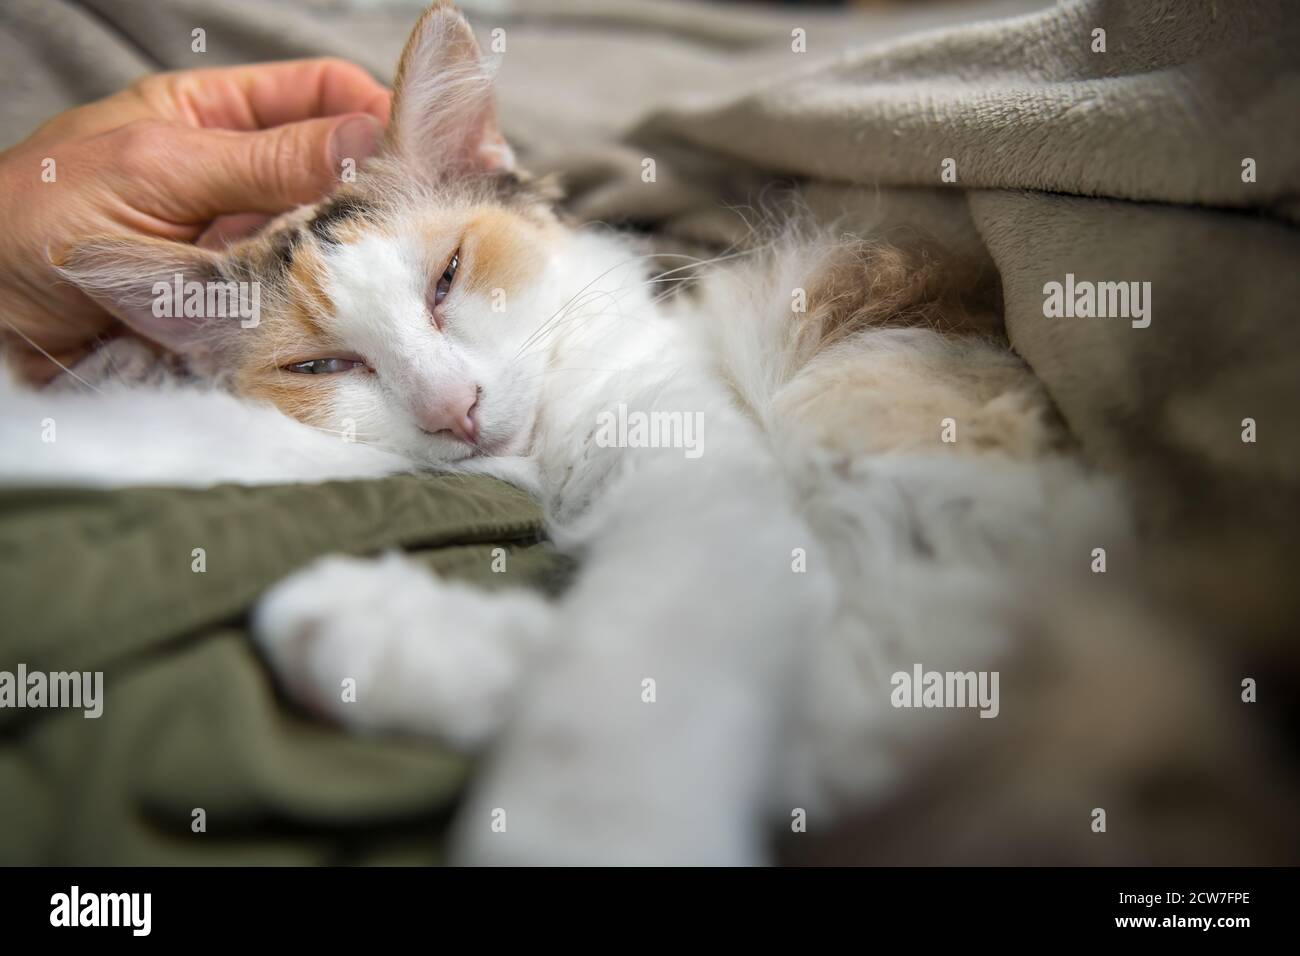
878, 485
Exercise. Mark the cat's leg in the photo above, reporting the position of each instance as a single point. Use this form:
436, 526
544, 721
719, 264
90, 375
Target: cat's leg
649, 734
386, 645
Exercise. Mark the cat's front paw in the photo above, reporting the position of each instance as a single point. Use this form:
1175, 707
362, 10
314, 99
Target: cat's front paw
385, 645
316, 625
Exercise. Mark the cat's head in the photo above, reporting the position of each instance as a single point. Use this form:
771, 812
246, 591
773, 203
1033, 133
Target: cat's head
399, 309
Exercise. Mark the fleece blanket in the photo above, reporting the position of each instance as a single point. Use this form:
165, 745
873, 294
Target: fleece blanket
1079, 143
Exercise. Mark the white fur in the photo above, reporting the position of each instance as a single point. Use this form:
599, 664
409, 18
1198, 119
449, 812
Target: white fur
175, 434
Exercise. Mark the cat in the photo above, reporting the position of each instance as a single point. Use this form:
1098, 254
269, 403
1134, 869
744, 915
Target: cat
880, 484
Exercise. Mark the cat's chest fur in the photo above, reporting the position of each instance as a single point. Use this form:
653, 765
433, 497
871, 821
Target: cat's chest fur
619, 380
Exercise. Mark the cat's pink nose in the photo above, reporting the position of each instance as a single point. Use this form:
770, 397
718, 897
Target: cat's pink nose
451, 411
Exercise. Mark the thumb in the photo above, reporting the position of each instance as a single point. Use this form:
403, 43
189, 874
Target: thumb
275, 169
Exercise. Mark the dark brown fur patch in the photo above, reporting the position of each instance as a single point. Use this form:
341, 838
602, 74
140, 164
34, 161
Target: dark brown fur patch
335, 212
283, 246
873, 285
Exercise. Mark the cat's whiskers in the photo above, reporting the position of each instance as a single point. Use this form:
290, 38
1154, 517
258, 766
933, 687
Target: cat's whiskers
568, 313
566, 316
576, 309
573, 315
65, 368
619, 265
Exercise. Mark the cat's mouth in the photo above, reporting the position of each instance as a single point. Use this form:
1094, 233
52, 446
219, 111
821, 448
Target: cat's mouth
489, 446
484, 446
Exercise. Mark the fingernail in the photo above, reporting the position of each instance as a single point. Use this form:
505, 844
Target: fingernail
355, 139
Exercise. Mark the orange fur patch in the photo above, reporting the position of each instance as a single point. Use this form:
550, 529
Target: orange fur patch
311, 306
306, 399
503, 251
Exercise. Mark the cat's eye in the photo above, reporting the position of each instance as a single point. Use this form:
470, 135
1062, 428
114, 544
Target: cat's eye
448, 274
325, 366
443, 288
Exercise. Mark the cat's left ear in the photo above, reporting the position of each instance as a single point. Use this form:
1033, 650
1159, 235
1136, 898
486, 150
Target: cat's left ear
443, 121
171, 292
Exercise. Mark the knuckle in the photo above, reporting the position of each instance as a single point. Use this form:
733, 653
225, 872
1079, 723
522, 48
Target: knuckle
146, 84
137, 145
284, 161
337, 64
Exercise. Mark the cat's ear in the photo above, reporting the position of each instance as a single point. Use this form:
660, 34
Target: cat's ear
173, 293
443, 121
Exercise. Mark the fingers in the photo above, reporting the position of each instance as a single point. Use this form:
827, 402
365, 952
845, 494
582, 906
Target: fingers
276, 169
227, 229
261, 96
185, 175
236, 98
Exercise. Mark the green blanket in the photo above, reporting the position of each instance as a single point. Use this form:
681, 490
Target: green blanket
107, 581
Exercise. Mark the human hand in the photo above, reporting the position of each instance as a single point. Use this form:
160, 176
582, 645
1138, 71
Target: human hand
169, 156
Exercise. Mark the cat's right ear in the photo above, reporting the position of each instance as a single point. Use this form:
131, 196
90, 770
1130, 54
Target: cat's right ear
163, 290
443, 122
